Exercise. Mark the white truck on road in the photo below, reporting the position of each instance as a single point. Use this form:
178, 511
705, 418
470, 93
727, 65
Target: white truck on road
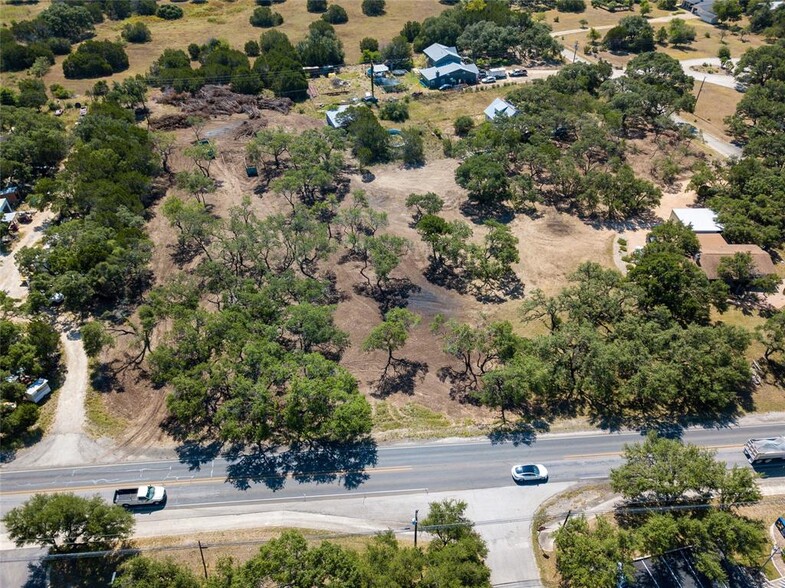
141, 496
765, 451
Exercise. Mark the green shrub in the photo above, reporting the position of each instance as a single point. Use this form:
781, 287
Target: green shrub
137, 32
335, 15
570, 5
60, 92
316, 6
463, 125
169, 12
146, 7
252, 48
59, 45
373, 7
265, 18
397, 111
95, 59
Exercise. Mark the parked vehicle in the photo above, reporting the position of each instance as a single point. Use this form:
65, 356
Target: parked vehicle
488, 80
141, 496
530, 473
765, 451
444, 87
499, 73
518, 73
740, 87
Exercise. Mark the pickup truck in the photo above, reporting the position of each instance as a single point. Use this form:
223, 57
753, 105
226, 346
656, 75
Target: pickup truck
141, 496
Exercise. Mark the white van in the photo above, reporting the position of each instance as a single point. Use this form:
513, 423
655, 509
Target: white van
38, 390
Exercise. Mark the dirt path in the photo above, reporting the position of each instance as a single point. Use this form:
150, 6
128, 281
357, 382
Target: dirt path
10, 278
66, 443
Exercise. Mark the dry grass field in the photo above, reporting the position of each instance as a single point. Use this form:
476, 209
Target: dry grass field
225, 19
714, 104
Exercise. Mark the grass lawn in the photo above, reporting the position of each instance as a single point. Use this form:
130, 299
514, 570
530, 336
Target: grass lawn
714, 104
229, 20
596, 17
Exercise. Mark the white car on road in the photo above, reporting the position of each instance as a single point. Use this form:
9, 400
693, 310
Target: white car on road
530, 473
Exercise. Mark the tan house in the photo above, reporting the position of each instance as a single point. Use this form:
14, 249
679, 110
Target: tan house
714, 248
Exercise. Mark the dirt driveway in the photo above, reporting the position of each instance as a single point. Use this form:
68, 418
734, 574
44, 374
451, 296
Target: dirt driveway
10, 278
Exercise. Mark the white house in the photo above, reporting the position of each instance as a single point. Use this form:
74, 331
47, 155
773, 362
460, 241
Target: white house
500, 107
700, 220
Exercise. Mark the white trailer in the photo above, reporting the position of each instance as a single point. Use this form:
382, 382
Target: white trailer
764, 451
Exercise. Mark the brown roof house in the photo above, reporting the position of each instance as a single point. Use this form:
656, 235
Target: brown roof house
714, 248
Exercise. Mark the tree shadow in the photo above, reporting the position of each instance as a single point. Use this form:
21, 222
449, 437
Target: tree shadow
183, 254
518, 432
405, 375
462, 384
37, 575
509, 287
320, 463
441, 275
196, 453
103, 378
479, 213
394, 294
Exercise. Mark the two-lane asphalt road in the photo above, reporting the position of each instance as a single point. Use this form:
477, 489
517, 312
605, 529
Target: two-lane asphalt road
387, 469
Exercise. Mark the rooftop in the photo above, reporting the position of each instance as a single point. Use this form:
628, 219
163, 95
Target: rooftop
714, 249
438, 51
701, 220
431, 73
333, 116
500, 106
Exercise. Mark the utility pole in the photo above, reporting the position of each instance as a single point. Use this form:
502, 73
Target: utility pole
415, 522
373, 95
700, 90
575, 53
567, 518
201, 552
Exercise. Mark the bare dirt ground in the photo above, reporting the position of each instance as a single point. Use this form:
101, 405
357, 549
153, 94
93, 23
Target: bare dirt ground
29, 235
552, 245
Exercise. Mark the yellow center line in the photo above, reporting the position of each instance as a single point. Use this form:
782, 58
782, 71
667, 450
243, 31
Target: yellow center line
189, 481
617, 453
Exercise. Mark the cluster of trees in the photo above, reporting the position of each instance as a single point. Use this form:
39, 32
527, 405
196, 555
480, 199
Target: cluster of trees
28, 351
278, 65
59, 26
566, 143
486, 266
676, 496
624, 351
261, 370
454, 557
633, 33
67, 524
95, 59
749, 194
35, 148
98, 248
489, 30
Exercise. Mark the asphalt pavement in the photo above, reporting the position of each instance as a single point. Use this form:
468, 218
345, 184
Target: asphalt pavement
363, 489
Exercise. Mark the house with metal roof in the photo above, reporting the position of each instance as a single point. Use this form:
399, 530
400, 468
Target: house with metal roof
703, 9
500, 107
700, 220
334, 118
438, 54
452, 73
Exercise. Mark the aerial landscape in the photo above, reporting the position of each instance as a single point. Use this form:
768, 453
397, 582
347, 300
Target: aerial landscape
392, 293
